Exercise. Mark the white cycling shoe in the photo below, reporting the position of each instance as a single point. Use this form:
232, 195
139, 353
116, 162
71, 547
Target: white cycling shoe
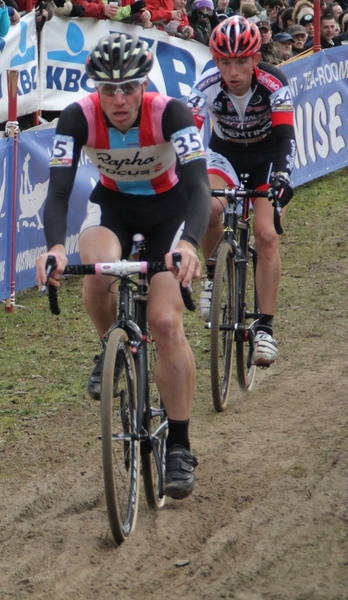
265, 349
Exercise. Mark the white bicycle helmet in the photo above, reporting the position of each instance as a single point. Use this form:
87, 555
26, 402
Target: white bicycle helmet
119, 57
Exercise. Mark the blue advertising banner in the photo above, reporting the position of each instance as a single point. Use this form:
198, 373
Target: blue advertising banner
319, 86
35, 148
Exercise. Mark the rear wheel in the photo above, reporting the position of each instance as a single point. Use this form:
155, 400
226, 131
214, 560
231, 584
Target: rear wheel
222, 326
247, 315
120, 446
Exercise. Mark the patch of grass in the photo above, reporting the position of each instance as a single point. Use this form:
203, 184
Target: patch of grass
45, 361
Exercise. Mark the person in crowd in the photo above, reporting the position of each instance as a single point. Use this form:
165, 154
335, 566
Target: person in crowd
162, 12
327, 31
203, 19
5, 22
287, 18
250, 106
283, 43
334, 9
132, 13
84, 8
252, 2
304, 7
180, 27
222, 8
44, 11
299, 35
343, 23
277, 25
307, 21
270, 10
269, 52
132, 126
13, 11
249, 11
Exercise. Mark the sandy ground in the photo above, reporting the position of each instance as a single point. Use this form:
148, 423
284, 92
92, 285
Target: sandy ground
268, 518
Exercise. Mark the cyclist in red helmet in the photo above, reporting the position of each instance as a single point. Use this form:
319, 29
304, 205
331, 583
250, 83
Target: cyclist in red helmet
250, 106
152, 180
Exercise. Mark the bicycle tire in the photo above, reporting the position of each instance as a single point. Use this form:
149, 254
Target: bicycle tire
247, 309
222, 326
155, 421
120, 443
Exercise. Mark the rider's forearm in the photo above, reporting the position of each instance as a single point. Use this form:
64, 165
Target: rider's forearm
57, 203
286, 152
196, 183
55, 220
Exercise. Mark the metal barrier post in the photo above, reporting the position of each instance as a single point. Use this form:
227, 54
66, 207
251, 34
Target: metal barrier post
11, 131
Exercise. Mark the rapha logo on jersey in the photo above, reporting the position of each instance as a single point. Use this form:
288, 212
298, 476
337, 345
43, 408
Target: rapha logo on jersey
268, 81
106, 160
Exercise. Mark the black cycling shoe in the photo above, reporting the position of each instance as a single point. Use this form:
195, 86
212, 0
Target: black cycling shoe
93, 386
180, 478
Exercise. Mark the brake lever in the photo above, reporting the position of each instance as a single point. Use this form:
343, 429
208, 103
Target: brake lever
186, 292
177, 264
277, 215
51, 265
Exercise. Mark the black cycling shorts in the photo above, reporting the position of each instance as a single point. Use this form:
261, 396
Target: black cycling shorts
158, 217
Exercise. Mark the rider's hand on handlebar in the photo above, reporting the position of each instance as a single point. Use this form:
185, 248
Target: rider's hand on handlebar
61, 259
190, 267
280, 189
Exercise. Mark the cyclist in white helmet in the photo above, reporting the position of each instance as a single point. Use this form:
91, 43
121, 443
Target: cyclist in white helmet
152, 179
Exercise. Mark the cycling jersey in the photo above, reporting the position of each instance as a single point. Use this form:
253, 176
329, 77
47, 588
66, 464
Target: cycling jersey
161, 147
262, 127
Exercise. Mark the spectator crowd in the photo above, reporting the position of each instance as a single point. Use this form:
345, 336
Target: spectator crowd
286, 26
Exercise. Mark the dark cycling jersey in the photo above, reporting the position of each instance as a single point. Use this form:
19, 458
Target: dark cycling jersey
162, 148
264, 129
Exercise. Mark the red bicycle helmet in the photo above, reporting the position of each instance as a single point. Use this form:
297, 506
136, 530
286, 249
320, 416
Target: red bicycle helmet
235, 37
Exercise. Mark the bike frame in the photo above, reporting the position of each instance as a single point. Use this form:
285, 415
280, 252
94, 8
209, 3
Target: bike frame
132, 304
235, 223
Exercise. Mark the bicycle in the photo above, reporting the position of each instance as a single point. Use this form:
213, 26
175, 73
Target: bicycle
133, 419
234, 304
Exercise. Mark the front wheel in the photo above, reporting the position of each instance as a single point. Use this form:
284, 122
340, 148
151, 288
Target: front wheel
222, 326
248, 315
120, 443
153, 450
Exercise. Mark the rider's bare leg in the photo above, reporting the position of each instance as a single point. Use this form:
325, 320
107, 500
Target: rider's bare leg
99, 244
214, 232
268, 270
175, 372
